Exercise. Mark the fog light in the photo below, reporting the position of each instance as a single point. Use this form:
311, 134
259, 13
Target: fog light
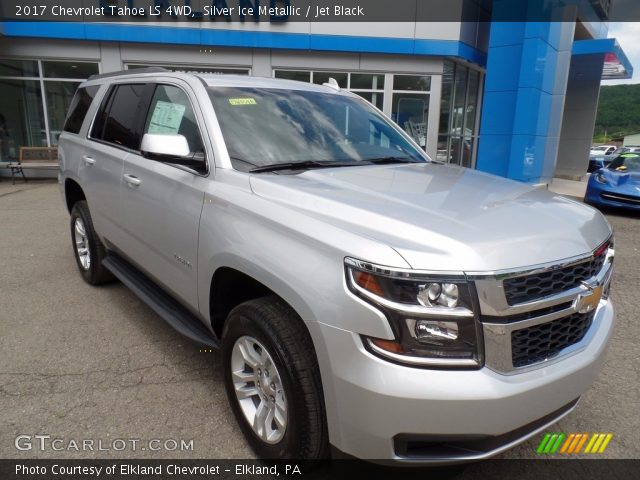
434, 331
444, 294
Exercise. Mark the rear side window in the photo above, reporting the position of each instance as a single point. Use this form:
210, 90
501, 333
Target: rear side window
117, 122
79, 107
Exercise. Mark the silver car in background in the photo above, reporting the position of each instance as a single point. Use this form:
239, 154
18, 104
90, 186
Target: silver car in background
363, 296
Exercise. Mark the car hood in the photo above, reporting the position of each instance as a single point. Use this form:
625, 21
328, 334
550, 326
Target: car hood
624, 180
442, 217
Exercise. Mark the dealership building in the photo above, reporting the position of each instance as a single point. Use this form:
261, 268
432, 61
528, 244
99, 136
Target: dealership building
513, 98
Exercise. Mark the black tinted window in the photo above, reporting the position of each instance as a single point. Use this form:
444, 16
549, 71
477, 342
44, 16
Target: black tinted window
120, 124
78, 108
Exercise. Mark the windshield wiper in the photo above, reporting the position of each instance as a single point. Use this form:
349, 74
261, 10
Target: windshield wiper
306, 165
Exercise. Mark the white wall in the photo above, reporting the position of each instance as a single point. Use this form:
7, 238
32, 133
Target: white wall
632, 140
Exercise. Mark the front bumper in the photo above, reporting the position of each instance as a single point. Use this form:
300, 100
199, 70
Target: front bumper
603, 196
376, 408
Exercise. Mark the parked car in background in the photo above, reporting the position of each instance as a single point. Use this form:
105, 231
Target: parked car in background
602, 150
617, 185
598, 162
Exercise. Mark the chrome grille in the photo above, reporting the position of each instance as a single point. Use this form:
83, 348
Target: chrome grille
541, 342
533, 287
548, 325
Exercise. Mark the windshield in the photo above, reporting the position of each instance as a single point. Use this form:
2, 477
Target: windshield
264, 127
628, 162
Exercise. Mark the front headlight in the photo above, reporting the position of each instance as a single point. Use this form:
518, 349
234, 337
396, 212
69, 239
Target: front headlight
432, 316
600, 178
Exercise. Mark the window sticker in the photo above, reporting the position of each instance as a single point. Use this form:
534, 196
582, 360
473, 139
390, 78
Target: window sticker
242, 101
166, 118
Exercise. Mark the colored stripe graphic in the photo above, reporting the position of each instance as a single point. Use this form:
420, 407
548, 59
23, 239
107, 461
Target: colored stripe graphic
543, 443
567, 443
559, 441
550, 443
582, 442
594, 437
607, 439
553, 443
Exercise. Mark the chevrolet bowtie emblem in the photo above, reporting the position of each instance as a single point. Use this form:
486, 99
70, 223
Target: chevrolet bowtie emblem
588, 301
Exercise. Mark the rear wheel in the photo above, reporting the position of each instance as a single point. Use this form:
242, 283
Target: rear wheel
87, 247
273, 380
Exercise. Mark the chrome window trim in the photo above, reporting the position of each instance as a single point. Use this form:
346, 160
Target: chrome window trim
147, 80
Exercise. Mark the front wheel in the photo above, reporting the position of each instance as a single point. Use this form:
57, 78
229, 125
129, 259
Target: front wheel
88, 249
273, 381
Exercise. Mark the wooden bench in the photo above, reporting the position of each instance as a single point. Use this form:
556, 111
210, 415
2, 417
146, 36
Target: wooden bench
34, 158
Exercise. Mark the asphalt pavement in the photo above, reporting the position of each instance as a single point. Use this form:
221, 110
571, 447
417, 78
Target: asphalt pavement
82, 363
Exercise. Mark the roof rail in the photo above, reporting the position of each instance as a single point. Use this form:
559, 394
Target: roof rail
129, 72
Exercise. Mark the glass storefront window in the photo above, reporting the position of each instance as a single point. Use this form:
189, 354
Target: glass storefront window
459, 99
34, 104
294, 75
192, 68
69, 69
323, 77
410, 105
447, 95
369, 86
59, 96
411, 112
18, 68
375, 98
458, 113
411, 82
472, 102
442, 152
21, 117
365, 81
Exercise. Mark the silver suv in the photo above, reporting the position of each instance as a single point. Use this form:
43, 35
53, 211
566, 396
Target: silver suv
362, 296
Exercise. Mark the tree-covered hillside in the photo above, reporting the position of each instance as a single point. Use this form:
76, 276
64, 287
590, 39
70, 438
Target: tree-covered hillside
618, 112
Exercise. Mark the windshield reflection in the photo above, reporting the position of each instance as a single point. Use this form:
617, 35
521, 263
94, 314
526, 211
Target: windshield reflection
264, 127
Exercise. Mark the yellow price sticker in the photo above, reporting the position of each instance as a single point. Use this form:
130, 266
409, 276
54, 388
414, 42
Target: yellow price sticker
242, 101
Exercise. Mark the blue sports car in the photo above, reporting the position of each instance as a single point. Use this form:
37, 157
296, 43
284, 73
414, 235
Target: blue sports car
617, 185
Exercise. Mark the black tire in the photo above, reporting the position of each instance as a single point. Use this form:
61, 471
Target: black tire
275, 325
95, 273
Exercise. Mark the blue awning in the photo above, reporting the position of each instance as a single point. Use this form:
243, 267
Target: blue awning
616, 64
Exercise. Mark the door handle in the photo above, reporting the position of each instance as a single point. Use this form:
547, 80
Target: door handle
88, 160
132, 180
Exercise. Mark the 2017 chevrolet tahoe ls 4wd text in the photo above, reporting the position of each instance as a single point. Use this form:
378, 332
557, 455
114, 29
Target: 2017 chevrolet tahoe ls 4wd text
362, 295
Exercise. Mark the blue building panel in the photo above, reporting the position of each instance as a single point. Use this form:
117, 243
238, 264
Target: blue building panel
531, 73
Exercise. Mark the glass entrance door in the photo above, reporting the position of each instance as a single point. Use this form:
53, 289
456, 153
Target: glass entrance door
410, 105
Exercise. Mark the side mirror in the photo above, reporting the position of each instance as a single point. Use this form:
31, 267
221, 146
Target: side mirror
161, 145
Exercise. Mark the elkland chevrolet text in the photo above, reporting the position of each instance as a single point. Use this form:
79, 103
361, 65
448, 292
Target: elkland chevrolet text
362, 295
